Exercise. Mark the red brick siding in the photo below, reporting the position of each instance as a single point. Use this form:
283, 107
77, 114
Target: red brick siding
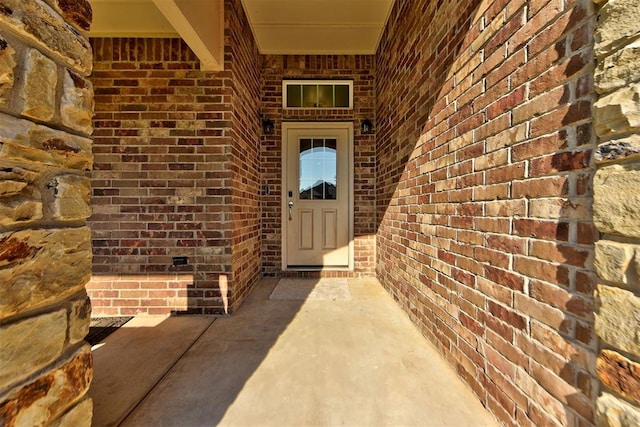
174, 174
359, 68
484, 172
245, 132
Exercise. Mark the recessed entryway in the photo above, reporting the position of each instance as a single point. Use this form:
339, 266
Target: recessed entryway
317, 203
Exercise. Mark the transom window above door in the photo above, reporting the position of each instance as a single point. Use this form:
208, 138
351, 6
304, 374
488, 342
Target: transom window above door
317, 94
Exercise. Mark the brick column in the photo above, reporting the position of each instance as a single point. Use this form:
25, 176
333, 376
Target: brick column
46, 107
617, 210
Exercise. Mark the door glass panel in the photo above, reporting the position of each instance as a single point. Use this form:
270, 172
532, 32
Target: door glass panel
318, 169
305, 146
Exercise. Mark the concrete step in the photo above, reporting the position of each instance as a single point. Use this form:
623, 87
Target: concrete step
129, 363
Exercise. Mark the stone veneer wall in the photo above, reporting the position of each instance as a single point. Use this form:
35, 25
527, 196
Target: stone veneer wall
46, 105
617, 210
484, 195
360, 68
175, 174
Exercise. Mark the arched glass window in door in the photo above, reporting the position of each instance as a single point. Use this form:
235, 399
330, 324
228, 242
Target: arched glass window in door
318, 169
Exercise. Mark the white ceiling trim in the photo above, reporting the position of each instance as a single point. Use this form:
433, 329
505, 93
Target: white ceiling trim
317, 40
252, 26
318, 26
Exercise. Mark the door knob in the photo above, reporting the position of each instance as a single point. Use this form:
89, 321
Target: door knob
290, 210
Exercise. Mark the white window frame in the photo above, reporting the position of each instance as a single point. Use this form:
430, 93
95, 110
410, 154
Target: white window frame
286, 83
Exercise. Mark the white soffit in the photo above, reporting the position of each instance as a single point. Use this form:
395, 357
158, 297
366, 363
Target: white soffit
317, 26
279, 26
200, 23
129, 18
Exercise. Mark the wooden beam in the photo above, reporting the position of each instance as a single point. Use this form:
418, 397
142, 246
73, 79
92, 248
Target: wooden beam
200, 23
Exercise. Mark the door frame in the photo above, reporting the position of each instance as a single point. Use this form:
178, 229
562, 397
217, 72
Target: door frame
286, 126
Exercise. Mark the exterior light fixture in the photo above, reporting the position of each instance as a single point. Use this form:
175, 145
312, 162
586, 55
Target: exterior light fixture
268, 126
366, 127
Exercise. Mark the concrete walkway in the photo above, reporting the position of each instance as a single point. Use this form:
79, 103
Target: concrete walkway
332, 358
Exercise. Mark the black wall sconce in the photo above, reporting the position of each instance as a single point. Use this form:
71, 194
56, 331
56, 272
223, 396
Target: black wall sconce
366, 127
268, 126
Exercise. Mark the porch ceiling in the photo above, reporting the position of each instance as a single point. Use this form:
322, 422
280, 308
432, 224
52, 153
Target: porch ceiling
129, 18
279, 26
317, 26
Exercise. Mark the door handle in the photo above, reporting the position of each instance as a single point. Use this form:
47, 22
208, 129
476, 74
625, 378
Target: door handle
290, 210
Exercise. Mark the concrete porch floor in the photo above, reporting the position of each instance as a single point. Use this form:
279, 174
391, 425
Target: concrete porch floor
357, 362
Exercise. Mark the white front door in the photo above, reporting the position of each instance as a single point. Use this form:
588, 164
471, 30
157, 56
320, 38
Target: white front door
317, 189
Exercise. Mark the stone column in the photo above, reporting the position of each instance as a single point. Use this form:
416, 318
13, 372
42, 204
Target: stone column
617, 210
46, 107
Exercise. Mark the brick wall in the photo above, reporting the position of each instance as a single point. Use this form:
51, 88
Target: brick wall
275, 68
245, 133
617, 211
484, 195
46, 105
173, 175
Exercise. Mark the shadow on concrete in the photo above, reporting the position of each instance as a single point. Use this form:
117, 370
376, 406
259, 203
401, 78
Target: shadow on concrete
135, 358
320, 359
102, 327
209, 385
143, 355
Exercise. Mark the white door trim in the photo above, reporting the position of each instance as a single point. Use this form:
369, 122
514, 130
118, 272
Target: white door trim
284, 184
